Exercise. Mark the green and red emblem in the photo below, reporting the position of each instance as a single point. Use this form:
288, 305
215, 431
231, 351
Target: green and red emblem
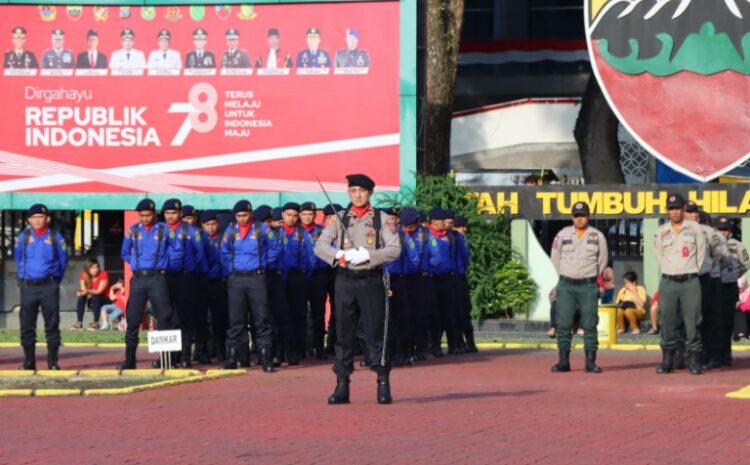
677, 74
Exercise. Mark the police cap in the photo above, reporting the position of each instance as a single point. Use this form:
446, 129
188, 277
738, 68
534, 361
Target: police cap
36, 209
164, 34
307, 207
313, 31
408, 216
171, 204
92, 33
581, 208
290, 206
18, 32
437, 213
145, 204
127, 33
262, 213
675, 201
242, 206
208, 215
200, 33
691, 207
360, 180
58, 33
232, 33
276, 214
724, 223
188, 210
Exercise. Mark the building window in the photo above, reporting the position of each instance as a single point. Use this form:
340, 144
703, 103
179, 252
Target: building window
478, 20
556, 19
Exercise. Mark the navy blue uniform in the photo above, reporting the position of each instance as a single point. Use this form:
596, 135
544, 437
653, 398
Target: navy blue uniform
463, 294
443, 253
145, 250
298, 259
246, 259
214, 299
278, 302
403, 274
41, 260
320, 283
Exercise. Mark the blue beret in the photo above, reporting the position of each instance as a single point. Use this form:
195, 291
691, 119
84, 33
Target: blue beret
276, 214
145, 204
262, 213
308, 206
461, 221
450, 214
329, 209
242, 206
437, 213
408, 216
208, 215
171, 204
37, 208
360, 180
290, 206
188, 210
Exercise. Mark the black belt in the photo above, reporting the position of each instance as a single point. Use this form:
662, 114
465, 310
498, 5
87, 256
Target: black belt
296, 271
679, 278
424, 274
181, 272
255, 272
403, 275
276, 272
578, 281
320, 270
443, 276
39, 282
361, 274
148, 272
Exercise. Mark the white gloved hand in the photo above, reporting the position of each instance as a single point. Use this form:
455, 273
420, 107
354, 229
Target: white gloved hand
360, 256
340, 254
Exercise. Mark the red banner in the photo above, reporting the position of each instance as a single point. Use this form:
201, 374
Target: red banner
199, 98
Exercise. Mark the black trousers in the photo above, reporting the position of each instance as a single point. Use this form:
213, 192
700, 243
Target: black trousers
403, 314
722, 344
463, 295
278, 304
318, 292
709, 312
154, 290
297, 290
357, 296
97, 302
215, 304
447, 304
185, 299
428, 317
46, 296
248, 292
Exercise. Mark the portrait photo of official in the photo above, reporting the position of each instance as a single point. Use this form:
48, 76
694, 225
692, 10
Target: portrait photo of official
19, 57
58, 57
164, 57
234, 57
274, 57
200, 57
313, 56
127, 57
352, 56
92, 57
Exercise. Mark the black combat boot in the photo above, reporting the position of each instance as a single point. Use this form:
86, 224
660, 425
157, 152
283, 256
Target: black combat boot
201, 354
186, 350
563, 364
591, 366
29, 358
129, 362
221, 349
341, 393
679, 359
52, 352
694, 363
384, 388
666, 362
231, 362
471, 346
266, 360
243, 356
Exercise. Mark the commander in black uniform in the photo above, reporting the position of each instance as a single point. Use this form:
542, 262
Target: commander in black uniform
19, 58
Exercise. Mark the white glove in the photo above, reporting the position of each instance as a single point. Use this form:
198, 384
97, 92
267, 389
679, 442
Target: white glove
340, 254
358, 257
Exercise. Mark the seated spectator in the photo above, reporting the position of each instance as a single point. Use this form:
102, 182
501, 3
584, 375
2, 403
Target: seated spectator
631, 303
606, 282
654, 313
112, 313
552, 331
93, 291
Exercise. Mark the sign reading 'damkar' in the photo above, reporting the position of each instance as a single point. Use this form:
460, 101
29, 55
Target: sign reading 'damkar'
610, 200
164, 341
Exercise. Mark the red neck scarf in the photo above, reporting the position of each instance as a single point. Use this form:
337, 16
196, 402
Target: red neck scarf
309, 227
244, 229
438, 233
40, 232
361, 211
289, 229
149, 227
174, 227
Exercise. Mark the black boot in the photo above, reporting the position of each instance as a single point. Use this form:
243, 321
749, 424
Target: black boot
201, 354
266, 360
563, 364
186, 350
243, 356
679, 359
471, 346
52, 351
29, 358
694, 363
384, 388
231, 362
129, 363
666, 362
221, 350
341, 393
591, 366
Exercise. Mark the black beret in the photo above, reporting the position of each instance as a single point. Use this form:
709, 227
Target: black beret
242, 206
262, 213
675, 201
290, 206
276, 214
461, 221
408, 216
329, 209
704, 218
188, 210
171, 204
691, 207
724, 223
581, 208
308, 206
360, 180
209, 215
36, 209
145, 204
437, 213
450, 215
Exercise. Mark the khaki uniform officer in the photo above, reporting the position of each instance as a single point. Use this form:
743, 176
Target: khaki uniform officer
579, 254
